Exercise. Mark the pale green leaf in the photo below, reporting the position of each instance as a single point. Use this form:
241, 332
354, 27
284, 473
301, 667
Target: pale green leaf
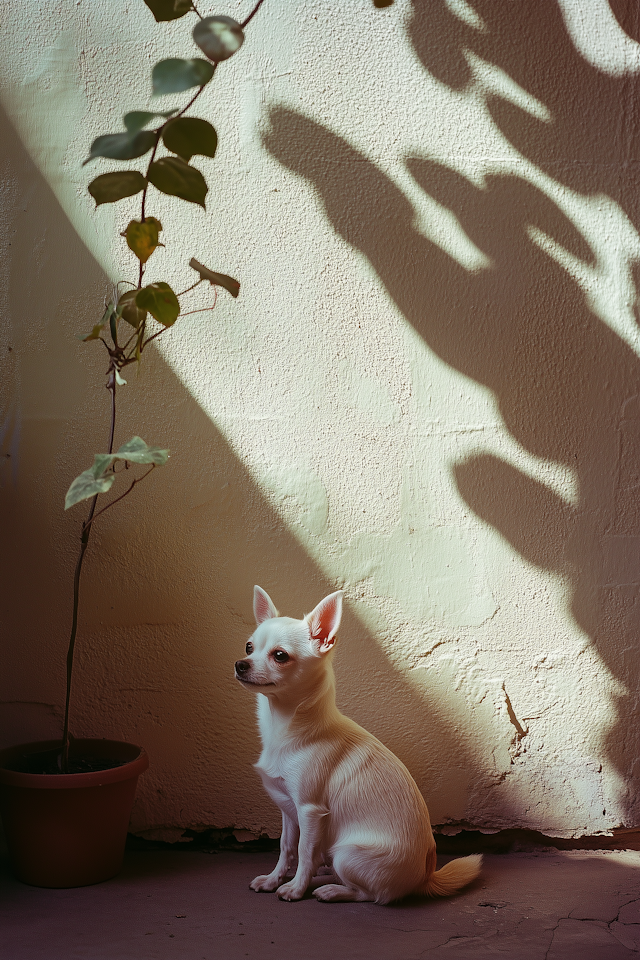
137, 451
85, 486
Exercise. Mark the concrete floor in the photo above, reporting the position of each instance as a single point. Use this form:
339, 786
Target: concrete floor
197, 906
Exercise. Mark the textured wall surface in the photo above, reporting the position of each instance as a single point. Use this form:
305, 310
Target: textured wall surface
427, 394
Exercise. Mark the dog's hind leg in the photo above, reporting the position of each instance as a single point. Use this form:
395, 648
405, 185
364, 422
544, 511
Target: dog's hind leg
338, 893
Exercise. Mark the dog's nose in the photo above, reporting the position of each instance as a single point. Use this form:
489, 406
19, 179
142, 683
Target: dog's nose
242, 667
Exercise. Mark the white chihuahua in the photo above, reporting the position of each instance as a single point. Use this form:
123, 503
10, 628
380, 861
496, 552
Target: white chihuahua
350, 808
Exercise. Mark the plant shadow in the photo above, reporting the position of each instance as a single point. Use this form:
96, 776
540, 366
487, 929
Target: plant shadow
565, 383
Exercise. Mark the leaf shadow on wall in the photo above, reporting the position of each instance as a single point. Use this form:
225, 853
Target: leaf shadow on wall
566, 384
166, 606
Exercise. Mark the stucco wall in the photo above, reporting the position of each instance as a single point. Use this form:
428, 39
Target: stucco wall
427, 394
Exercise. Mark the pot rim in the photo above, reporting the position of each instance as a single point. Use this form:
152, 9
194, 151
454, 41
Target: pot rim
132, 767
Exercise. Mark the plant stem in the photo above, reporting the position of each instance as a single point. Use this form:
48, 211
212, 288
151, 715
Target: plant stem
121, 497
252, 14
84, 542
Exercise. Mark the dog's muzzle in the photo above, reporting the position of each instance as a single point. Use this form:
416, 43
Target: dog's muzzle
242, 669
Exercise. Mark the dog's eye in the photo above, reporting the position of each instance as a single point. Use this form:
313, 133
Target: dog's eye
280, 656
249, 647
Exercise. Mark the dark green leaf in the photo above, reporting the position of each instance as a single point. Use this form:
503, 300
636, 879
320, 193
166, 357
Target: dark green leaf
173, 176
129, 311
85, 486
174, 76
111, 187
113, 328
137, 119
188, 135
161, 302
218, 37
168, 9
219, 279
122, 146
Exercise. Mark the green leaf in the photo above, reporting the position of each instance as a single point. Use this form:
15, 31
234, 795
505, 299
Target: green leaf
96, 479
143, 238
111, 187
173, 176
129, 311
137, 119
85, 486
161, 302
174, 76
101, 463
168, 9
188, 135
218, 37
122, 146
219, 279
137, 451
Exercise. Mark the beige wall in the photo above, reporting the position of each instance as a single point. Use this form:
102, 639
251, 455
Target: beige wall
427, 394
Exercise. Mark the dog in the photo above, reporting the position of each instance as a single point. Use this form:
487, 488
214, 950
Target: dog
350, 808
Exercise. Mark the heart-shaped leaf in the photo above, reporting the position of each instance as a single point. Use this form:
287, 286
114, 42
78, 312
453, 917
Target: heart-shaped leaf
169, 9
137, 451
85, 486
122, 146
189, 135
143, 238
110, 187
174, 76
219, 279
218, 37
96, 479
161, 302
129, 310
173, 176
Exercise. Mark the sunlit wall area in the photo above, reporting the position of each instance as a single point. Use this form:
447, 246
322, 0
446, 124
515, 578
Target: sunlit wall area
427, 394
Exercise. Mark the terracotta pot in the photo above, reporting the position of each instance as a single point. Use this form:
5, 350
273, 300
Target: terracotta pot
69, 830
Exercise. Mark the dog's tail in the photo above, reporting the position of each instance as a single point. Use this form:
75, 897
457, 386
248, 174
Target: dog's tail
452, 877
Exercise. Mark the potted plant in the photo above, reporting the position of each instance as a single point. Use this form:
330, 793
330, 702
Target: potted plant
66, 804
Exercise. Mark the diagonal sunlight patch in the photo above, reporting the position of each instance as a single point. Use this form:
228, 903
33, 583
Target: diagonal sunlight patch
465, 12
607, 285
491, 81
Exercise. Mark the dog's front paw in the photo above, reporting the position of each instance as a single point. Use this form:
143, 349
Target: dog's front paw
291, 891
266, 884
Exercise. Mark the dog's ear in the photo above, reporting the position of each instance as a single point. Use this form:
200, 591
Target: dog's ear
324, 622
263, 608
